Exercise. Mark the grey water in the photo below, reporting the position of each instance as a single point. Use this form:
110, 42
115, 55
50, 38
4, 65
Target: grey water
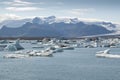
78, 64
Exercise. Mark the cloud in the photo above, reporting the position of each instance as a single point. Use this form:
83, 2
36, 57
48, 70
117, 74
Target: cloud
23, 8
9, 17
91, 19
17, 3
20, 3
80, 12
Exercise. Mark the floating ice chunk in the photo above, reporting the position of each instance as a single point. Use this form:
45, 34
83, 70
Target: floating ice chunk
3, 42
14, 47
106, 54
41, 53
17, 45
107, 51
11, 48
15, 56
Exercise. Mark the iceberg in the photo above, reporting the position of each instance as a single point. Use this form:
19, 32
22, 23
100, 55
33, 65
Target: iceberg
17, 45
14, 47
43, 53
3, 42
15, 56
106, 54
11, 48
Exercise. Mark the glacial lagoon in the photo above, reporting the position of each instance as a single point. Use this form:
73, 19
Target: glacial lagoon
77, 64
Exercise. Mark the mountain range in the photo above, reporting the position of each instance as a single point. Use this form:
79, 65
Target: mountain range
55, 27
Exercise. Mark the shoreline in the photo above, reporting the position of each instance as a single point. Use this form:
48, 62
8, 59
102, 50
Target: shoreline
40, 38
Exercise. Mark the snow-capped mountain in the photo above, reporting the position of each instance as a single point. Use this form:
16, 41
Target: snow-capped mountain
39, 20
55, 27
53, 19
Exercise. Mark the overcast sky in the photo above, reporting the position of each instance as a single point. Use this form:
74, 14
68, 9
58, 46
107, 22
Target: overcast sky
107, 10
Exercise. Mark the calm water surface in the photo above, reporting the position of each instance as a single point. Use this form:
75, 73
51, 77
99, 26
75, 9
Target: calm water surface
78, 64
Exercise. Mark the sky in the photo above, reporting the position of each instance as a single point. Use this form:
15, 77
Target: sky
104, 10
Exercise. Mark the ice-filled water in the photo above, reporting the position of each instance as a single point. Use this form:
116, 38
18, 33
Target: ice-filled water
77, 64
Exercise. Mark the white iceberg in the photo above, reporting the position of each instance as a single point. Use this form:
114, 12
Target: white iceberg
40, 53
106, 54
15, 56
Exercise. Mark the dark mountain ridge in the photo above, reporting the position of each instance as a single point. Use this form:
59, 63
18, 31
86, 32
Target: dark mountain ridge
61, 29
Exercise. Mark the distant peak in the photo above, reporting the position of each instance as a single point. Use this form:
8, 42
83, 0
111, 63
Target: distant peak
4, 26
36, 20
50, 17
